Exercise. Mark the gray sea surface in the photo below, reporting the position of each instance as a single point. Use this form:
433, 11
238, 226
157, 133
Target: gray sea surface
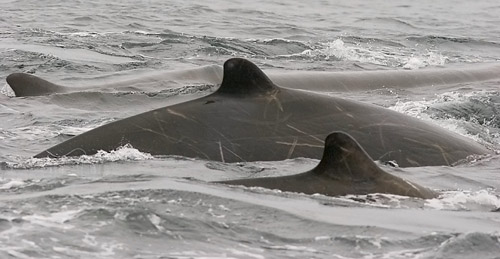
128, 204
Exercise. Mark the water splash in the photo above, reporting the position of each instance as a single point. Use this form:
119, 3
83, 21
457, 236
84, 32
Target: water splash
339, 50
471, 114
465, 200
7, 91
425, 60
124, 153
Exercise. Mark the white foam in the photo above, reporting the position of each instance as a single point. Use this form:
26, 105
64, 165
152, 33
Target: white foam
156, 221
7, 91
337, 49
294, 248
245, 254
124, 153
463, 200
428, 59
54, 220
417, 109
224, 208
90, 240
13, 183
321, 238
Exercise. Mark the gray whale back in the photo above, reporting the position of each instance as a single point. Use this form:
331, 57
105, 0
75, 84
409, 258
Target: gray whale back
30, 85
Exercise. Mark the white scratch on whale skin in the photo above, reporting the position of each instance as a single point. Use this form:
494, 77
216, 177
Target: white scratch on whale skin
292, 148
177, 114
221, 152
298, 144
300, 131
236, 155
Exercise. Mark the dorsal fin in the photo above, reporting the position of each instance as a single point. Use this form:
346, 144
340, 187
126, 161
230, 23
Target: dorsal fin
244, 77
345, 169
344, 158
29, 85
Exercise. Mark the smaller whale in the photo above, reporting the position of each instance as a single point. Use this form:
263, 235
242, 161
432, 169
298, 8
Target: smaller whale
345, 168
29, 85
23, 84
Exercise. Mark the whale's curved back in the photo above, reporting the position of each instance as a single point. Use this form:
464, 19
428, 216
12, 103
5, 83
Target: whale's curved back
347, 81
249, 118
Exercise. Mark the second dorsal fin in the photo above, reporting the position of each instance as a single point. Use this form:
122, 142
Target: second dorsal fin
242, 77
344, 158
344, 169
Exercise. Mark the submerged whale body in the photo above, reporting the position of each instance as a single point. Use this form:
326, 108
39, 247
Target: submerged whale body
24, 84
345, 168
249, 118
30, 85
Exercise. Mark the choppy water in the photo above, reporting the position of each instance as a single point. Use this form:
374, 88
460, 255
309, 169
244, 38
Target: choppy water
127, 204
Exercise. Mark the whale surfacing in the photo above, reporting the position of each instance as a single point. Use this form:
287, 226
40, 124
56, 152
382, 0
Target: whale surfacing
345, 168
29, 85
250, 118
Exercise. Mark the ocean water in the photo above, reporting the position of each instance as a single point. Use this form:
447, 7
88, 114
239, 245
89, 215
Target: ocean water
128, 204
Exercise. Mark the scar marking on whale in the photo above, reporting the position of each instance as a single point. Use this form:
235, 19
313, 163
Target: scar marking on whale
272, 98
177, 114
221, 152
292, 148
298, 144
305, 133
443, 153
236, 155
163, 134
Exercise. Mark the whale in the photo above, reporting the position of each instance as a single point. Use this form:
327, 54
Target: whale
345, 168
24, 84
250, 118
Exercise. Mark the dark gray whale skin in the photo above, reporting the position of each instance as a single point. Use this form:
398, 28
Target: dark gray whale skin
30, 85
249, 118
345, 168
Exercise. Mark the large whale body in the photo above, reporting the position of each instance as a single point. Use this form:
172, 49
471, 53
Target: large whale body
249, 118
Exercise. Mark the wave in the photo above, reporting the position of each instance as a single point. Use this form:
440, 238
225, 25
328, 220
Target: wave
473, 114
369, 52
137, 49
481, 108
435, 39
385, 22
479, 245
485, 200
176, 222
